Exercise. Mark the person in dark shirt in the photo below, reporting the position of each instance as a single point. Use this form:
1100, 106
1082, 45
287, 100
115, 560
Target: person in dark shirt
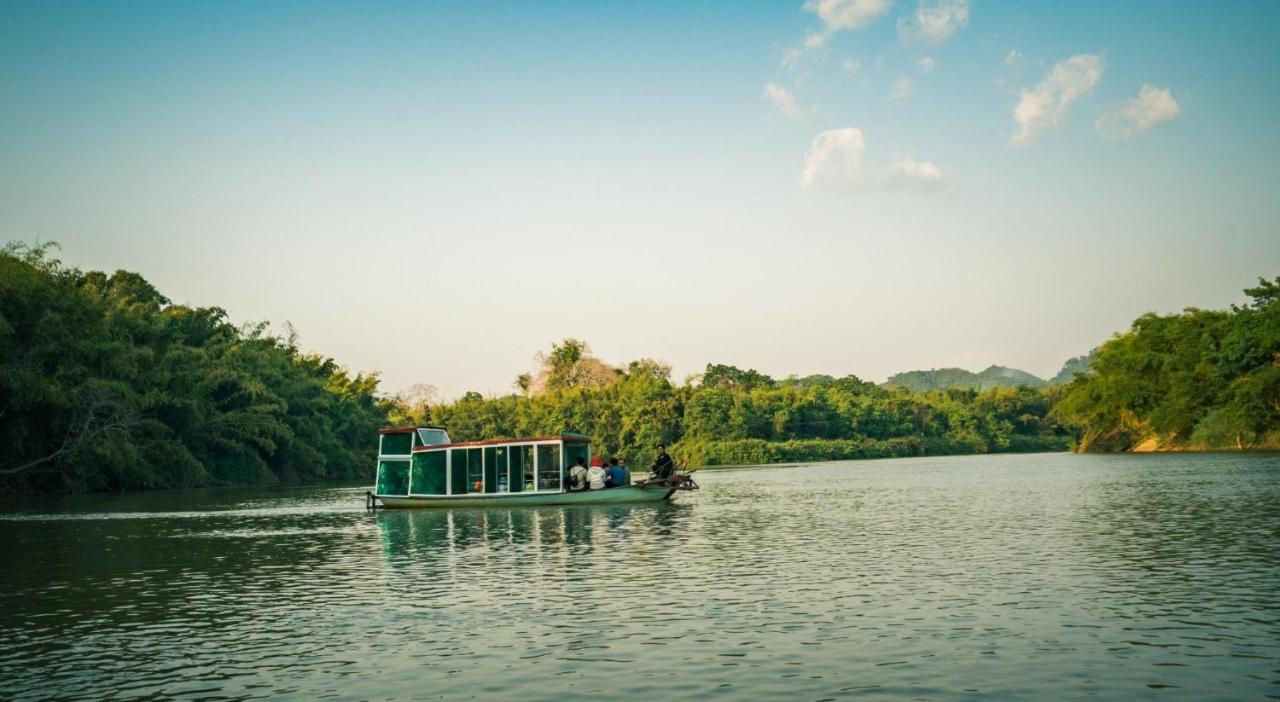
663, 466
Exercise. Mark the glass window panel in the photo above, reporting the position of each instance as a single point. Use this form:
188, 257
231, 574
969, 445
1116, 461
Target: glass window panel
458, 472
516, 481
549, 467
396, 444
475, 471
490, 477
428, 473
530, 458
393, 477
495, 469
433, 437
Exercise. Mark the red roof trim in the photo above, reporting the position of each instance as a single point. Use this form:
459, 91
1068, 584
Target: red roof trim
495, 442
404, 430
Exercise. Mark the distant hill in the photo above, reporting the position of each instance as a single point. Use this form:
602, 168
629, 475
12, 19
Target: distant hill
1079, 364
943, 378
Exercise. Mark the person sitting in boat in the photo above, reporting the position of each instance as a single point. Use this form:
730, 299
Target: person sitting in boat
596, 475
663, 466
618, 476
578, 475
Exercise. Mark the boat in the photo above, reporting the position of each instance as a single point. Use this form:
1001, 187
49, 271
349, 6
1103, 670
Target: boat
420, 467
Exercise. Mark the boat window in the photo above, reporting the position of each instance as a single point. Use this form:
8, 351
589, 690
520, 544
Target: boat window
433, 437
396, 444
495, 469
530, 467
458, 472
393, 477
428, 476
549, 467
475, 471
574, 451
518, 462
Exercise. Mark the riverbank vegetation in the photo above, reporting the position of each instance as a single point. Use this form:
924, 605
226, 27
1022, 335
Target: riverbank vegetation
107, 385
732, 416
1197, 380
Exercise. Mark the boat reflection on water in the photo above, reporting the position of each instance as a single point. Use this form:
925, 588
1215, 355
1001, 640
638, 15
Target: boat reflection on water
533, 537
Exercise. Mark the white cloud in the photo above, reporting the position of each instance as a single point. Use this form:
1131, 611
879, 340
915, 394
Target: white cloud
835, 155
908, 171
1013, 58
927, 64
840, 15
791, 58
784, 100
1044, 106
1133, 117
901, 88
934, 21
850, 66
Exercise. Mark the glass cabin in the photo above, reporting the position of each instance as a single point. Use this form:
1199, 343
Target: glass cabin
422, 461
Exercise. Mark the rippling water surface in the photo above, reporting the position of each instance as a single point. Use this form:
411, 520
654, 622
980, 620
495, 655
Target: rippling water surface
1008, 577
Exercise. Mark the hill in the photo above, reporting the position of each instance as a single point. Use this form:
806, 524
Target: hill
1079, 364
946, 378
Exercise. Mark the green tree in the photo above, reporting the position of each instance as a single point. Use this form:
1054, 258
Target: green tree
1198, 379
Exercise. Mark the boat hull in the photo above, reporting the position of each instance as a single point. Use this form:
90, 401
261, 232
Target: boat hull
610, 496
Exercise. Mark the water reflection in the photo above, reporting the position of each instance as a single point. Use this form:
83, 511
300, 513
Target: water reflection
1007, 576
455, 550
1185, 560
552, 528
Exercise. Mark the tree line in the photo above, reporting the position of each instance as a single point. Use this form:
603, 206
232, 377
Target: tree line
728, 415
1198, 380
107, 385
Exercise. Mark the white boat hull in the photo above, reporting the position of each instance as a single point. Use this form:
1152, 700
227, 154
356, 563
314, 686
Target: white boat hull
633, 493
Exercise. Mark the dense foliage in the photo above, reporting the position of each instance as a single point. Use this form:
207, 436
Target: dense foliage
105, 385
1195, 380
731, 416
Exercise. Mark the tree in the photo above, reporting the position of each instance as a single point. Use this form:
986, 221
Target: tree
1198, 379
570, 365
719, 375
107, 385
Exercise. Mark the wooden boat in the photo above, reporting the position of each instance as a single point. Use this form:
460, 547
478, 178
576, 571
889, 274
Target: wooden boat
421, 467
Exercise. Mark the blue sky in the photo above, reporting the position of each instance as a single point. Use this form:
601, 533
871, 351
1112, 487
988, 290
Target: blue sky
437, 191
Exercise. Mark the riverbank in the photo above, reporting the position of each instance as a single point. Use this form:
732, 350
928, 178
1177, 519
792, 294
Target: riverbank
1153, 445
705, 453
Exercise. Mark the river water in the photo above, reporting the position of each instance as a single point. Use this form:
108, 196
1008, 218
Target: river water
1046, 576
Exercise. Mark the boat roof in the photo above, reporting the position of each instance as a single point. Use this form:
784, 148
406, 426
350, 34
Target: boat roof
567, 438
407, 430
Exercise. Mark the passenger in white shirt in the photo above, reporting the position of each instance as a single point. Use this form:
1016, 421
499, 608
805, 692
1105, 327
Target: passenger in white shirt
596, 474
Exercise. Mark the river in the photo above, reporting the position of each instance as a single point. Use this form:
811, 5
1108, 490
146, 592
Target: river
1047, 576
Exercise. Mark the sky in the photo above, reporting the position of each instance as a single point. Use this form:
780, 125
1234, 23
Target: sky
438, 191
